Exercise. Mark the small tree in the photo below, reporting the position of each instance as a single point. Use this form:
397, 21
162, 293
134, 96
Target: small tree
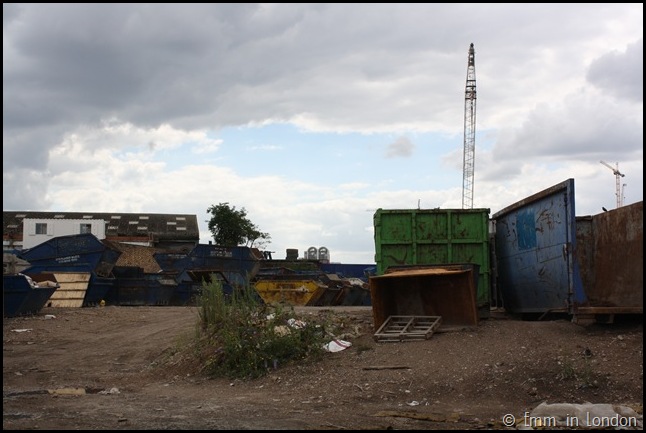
230, 227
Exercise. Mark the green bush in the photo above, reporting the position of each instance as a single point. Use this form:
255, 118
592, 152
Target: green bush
246, 338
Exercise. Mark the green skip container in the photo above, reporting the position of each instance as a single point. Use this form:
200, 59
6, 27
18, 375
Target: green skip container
436, 237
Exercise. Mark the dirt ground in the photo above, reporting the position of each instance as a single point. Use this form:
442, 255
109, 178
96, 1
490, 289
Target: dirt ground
123, 368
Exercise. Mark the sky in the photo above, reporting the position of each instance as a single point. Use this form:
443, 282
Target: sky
310, 117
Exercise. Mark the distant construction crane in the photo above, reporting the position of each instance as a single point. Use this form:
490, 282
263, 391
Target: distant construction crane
618, 176
469, 155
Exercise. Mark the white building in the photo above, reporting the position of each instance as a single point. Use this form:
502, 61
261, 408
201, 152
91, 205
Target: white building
38, 230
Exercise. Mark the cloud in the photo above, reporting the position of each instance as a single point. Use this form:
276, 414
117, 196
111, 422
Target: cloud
400, 148
621, 74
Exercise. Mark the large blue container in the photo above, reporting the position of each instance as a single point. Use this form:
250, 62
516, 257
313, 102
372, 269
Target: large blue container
21, 298
76, 253
535, 244
241, 260
237, 265
134, 287
84, 252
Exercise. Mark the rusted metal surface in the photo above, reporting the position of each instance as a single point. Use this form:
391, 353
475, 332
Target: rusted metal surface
584, 253
611, 247
449, 293
535, 242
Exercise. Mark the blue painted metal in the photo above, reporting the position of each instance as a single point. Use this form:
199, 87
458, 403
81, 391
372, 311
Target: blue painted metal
190, 283
20, 298
82, 252
134, 287
535, 244
356, 296
184, 294
240, 260
350, 270
172, 261
237, 266
48, 267
97, 290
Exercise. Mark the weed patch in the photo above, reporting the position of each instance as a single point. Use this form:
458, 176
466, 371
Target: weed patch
241, 337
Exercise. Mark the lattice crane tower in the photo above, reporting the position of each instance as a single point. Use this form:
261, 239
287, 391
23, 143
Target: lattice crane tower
618, 176
469, 155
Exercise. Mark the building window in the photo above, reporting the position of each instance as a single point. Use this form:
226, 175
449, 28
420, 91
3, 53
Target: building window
86, 228
41, 228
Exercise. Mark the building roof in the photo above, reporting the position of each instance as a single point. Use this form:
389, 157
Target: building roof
118, 225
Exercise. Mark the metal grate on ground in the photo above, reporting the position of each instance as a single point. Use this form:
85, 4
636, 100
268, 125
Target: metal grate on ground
407, 328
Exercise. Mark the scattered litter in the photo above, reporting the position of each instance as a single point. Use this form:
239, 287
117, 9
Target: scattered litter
31, 282
110, 391
356, 282
22, 330
274, 363
281, 330
337, 345
296, 324
413, 403
49, 316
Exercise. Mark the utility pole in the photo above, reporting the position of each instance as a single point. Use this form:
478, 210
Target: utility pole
618, 176
469, 132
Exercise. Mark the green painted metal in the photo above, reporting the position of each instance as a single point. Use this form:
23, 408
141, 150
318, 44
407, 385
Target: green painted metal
435, 237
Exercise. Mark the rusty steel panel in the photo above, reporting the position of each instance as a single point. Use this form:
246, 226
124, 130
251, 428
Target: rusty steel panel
616, 241
535, 243
449, 293
585, 251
